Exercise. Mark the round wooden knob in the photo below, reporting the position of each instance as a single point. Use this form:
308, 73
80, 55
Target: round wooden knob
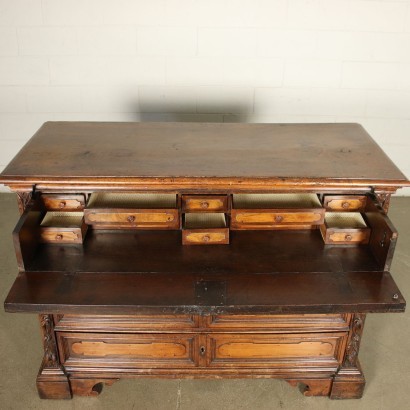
204, 205
59, 237
278, 218
345, 205
206, 238
62, 204
348, 237
131, 218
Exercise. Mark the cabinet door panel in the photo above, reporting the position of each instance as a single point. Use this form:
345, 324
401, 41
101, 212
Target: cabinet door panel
305, 350
127, 350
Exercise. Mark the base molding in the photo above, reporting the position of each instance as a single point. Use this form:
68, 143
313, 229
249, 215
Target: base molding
53, 383
348, 383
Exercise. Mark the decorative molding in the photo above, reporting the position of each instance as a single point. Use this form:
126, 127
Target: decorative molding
384, 201
352, 349
23, 199
50, 346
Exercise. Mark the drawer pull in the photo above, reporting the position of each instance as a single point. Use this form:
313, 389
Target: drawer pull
204, 205
206, 238
59, 237
62, 204
345, 205
278, 218
202, 350
131, 218
348, 237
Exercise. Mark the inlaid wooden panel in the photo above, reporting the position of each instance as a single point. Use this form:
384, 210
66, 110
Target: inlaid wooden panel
263, 350
205, 203
132, 218
63, 202
345, 203
271, 218
127, 350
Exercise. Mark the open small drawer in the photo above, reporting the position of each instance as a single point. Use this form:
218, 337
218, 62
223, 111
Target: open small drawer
345, 228
344, 203
276, 211
132, 211
63, 202
63, 227
205, 229
204, 203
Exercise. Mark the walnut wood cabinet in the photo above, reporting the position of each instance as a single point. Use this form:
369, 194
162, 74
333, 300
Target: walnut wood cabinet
294, 248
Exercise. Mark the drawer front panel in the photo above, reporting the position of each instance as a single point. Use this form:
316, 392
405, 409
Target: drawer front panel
57, 235
344, 203
126, 323
251, 219
57, 202
133, 219
205, 203
325, 349
127, 350
205, 236
280, 323
345, 236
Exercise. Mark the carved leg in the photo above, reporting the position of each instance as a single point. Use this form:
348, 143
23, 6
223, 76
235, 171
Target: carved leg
313, 387
52, 382
349, 381
89, 387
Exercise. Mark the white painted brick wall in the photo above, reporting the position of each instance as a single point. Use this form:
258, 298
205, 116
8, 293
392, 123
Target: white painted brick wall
206, 60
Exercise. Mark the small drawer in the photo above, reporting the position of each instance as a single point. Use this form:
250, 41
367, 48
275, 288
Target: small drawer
344, 203
60, 202
132, 218
63, 227
279, 323
345, 228
126, 323
276, 211
205, 229
132, 211
204, 203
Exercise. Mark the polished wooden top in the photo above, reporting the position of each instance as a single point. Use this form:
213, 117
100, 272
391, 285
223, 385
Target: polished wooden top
185, 153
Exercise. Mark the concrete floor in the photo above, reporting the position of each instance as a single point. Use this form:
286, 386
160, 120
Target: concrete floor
384, 355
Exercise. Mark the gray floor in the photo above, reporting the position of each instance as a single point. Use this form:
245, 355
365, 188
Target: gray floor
384, 355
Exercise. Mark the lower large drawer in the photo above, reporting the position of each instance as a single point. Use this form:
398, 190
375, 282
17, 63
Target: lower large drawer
128, 350
304, 350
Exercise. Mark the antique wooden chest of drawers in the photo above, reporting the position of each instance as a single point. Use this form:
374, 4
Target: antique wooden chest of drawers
293, 248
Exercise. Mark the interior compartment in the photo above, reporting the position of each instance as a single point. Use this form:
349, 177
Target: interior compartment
132, 200
275, 201
205, 221
62, 220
